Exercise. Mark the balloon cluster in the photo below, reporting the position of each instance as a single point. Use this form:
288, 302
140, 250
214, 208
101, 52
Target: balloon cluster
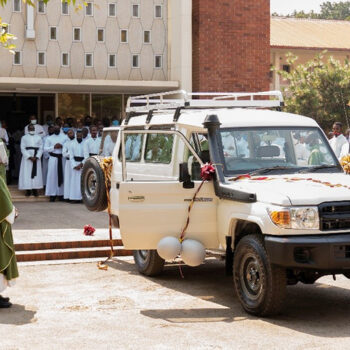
192, 252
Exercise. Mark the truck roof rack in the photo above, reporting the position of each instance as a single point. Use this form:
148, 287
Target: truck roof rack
192, 100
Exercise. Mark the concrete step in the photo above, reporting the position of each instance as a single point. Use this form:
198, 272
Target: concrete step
68, 254
19, 247
19, 196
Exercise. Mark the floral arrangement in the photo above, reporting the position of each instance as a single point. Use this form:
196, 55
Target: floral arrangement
89, 230
345, 163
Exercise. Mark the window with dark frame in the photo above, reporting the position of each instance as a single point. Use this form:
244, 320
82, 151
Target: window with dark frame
76, 34
123, 35
100, 35
41, 7
64, 8
89, 61
136, 10
89, 11
65, 59
53, 33
112, 60
158, 11
158, 61
41, 58
17, 58
112, 10
135, 61
147, 37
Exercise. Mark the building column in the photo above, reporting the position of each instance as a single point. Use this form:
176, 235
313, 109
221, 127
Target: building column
276, 76
180, 42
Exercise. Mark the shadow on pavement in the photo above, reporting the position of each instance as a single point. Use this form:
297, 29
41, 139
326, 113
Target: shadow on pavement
17, 315
320, 309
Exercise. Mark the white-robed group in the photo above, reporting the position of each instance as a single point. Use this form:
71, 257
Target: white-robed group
63, 155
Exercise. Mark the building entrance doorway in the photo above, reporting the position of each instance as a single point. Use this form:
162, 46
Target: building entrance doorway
16, 109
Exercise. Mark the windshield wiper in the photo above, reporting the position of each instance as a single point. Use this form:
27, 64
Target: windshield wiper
318, 167
267, 170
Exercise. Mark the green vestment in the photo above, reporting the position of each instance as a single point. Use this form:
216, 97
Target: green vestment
8, 262
316, 157
3, 166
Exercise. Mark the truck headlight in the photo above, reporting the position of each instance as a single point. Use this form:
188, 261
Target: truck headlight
298, 218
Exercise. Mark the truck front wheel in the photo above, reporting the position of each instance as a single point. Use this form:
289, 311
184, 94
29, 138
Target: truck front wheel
148, 262
260, 286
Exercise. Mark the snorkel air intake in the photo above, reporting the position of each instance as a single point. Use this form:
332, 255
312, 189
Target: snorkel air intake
212, 123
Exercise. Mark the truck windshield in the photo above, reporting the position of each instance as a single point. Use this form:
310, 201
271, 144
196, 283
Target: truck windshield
277, 150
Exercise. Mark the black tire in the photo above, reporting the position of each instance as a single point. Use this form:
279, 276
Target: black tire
148, 262
93, 188
260, 286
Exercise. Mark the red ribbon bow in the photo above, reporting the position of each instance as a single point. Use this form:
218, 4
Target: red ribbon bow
207, 172
88, 230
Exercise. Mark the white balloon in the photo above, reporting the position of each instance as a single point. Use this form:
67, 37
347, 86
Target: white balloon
169, 248
192, 252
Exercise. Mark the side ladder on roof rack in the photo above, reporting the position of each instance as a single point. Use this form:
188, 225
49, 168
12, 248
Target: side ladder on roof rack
163, 101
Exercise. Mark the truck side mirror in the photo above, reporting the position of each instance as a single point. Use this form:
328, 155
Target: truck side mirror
185, 177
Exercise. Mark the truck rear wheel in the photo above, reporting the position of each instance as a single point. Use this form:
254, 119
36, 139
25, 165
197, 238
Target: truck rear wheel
260, 286
93, 187
148, 262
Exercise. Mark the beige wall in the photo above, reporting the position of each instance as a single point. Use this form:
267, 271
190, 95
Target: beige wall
278, 59
112, 25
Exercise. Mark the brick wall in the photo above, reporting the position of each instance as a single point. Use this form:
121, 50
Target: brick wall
231, 45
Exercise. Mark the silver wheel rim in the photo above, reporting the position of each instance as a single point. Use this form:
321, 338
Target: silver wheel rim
144, 254
250, 276
91, 184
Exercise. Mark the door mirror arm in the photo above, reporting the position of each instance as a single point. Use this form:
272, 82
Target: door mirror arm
184, 176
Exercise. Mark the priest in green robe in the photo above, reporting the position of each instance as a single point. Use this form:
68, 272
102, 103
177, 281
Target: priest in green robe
8, 263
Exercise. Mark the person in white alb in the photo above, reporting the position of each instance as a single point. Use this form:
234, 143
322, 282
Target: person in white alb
338, 140
3, 134
76, 152
39, 130
46, 156
3, 160
68, 165
30, 174
55, 175
92, 145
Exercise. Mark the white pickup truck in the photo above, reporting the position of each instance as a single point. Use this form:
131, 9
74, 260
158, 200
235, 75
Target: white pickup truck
278, 208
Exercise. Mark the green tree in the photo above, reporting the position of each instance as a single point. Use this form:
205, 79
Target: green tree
319, 89
329, 10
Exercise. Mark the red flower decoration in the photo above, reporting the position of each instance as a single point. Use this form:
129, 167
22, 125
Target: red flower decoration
207, 172
88, 230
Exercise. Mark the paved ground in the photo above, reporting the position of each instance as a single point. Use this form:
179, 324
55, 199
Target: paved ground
77, 306
46, 215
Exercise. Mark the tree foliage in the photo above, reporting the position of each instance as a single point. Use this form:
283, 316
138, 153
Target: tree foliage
329, 10
319, 89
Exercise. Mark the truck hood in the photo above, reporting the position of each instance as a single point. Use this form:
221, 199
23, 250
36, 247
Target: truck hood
297, 189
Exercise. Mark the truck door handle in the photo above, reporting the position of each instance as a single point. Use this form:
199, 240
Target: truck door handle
136, 198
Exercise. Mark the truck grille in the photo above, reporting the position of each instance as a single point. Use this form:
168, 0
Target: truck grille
334, 216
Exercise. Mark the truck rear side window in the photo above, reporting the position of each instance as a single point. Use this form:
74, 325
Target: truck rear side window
133, 147
159, 148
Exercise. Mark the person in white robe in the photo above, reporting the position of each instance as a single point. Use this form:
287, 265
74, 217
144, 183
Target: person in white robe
92, 145
3, 134
55, 172
46, 156
338, 140
76, 152
3, 160
39, 130
68, 166
30, 174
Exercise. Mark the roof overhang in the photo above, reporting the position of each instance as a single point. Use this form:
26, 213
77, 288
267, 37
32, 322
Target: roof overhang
49, 85
308, 48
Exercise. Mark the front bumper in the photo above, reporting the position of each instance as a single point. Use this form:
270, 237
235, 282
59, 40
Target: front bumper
322, 252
